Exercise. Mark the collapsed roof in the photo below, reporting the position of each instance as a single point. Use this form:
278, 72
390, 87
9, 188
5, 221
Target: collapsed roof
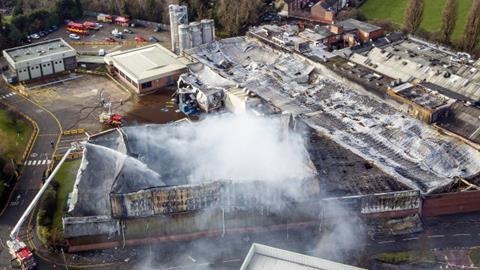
412, 152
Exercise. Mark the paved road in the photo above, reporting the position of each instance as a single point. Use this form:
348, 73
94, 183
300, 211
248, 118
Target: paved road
36, 164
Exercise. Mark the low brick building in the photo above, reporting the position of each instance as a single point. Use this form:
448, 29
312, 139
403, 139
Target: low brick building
146, 69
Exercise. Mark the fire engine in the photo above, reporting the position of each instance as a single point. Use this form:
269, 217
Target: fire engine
91, 25
16, 247
104, 18
21, 254
77, 28
123, 21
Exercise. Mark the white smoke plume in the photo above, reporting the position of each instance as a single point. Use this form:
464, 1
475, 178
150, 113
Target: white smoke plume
234, 147
242, 148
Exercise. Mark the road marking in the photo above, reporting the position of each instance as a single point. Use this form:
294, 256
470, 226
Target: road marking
7, 95
192, 259
461, 234
436, 236
387, 242
232, 260
38, 162
410, 239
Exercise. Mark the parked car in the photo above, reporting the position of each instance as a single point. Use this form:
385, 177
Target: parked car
152, 39
74, 36
42, 34
140, 39
35, 36
109, 39
157, 28
117, 34
127, 31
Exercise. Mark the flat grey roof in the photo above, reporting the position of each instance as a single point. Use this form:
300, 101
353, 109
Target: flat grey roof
39, 49
261, 257
351, 24
147, 63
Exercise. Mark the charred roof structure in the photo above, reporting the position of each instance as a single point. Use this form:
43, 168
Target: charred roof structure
416, 59
365, 126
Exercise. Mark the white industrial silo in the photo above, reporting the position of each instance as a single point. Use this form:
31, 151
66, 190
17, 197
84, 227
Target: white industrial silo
208, 30
178, 16
196, 34
184, 37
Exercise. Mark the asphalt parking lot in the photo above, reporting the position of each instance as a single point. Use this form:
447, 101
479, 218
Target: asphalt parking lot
76, 102
95, 40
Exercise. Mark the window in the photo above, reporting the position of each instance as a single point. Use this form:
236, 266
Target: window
56, 62
146, 85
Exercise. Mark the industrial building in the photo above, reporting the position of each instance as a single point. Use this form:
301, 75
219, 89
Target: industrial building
386, 167
184, 35
416, 59
146, 69
323, 11
262, 257
40, 59
348, 33
126, 181
423, 103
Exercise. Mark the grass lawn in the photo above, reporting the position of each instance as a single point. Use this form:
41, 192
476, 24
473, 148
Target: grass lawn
474, 255
66, 178
412, 257
393, 10
13, 136
7, 19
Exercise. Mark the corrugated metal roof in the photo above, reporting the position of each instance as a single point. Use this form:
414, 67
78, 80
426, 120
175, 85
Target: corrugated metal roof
261, 257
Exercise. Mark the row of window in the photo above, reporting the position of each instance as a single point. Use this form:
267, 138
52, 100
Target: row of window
36, 67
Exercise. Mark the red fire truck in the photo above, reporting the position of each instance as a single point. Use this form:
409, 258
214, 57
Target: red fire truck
21, 254
123, 21
91, 25
77, 28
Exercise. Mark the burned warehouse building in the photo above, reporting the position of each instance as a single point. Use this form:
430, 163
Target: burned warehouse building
360, 151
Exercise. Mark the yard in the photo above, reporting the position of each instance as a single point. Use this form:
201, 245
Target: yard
475, 256
65, 178
393, 10
14, 135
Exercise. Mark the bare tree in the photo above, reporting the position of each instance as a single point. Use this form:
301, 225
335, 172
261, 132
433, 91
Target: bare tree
471, 33
235, 14
449, 18
413, 15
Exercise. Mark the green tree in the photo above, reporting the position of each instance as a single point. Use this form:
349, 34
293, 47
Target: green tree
413, 15
15, 35
18, 9
472, 28
449, 18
